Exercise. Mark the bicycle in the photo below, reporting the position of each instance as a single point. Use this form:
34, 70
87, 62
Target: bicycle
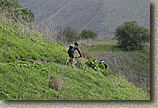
77, 63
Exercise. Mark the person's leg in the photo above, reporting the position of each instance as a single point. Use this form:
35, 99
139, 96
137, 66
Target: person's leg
70, 55
70, 59
73, 60
106, 67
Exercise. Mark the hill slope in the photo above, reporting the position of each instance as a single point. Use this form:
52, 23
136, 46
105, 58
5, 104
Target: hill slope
23, 77
134, 65
101, 16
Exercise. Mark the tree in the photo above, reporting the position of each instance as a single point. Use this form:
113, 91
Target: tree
131, 36
67, 35
85, 34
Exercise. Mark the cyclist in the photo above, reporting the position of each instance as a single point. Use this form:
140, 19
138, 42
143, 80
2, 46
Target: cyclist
71, 51
106, 67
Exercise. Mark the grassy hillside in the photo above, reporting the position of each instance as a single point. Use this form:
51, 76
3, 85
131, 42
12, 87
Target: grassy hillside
101, 16
134, 65
30, 62
22, 77
18, 42
25, 81
15, 11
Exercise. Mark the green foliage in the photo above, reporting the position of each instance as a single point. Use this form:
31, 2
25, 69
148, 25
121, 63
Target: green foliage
30, 81
68, 35
131, 36
24, 64
105, 72
24, 78
133, 65
101, 65
16, 44
85, 34
94, 63
16, 11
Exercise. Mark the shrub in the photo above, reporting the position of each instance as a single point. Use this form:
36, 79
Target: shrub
94, 63
57, 84
131, 36
85, 34
86, 54
67, 35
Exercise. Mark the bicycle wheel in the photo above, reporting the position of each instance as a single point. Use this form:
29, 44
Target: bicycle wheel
79, 66
68, 63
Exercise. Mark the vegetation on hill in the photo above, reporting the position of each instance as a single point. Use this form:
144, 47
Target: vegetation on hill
85, 34
27, 81
67, 35
20, 43
133, 65
16, 12
101, 16
30, 62
22, 77
131, 36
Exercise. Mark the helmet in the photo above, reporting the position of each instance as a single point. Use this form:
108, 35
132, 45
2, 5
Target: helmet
76, 44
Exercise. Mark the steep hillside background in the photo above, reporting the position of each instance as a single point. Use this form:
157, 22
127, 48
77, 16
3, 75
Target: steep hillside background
101, 16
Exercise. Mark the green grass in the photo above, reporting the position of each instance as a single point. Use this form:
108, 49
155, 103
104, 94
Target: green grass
16, 12
30, 81
133, 65
25, 45
101, 42
23, 78
94, 49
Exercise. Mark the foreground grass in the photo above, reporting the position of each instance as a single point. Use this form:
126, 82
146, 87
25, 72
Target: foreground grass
31, 81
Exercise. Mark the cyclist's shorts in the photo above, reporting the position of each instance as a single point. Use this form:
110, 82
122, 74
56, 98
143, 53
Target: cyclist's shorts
71, 54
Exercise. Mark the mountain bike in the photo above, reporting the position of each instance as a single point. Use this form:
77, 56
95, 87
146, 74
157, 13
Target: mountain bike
76, 63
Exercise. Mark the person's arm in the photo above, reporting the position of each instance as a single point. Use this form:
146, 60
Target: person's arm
79, 51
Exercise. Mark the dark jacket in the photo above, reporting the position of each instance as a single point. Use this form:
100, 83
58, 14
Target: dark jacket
73, 49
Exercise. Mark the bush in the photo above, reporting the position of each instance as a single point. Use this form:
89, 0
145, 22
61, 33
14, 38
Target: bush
86, 54
57, 84
85, 34
67, 35
131, 36
94, 63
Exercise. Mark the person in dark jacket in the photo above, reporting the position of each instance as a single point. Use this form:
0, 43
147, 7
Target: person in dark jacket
71, 51
101, 61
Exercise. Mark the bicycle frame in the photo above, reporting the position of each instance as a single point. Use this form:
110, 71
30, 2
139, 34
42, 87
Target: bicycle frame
77, 63
76, 60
